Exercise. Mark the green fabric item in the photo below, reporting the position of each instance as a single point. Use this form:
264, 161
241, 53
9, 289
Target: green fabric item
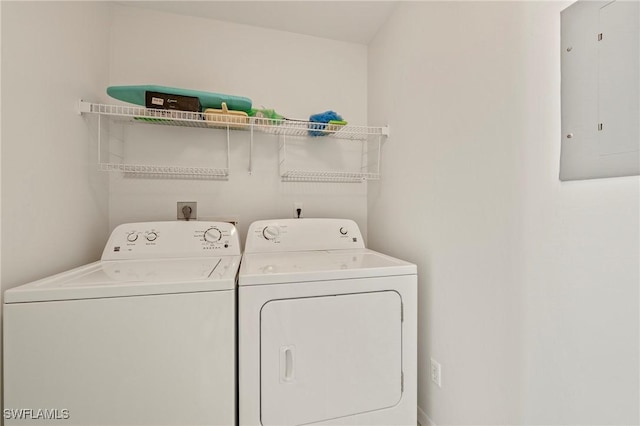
265, 113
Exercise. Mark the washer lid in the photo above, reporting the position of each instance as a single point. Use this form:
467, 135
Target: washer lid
131, 278
277, 268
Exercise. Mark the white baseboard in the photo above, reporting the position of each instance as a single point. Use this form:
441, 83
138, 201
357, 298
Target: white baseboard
423, 419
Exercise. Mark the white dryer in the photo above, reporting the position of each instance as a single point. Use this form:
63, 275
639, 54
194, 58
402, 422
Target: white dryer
144, 336
327, 328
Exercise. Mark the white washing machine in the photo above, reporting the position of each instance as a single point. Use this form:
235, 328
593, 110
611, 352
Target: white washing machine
327, 328
145, 336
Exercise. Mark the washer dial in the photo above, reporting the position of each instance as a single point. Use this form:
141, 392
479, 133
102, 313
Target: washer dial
212, 235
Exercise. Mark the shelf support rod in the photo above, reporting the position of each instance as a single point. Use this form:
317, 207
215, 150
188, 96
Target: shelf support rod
99, 140
363, 155
282, 154
228, 155
379, 153
251, 149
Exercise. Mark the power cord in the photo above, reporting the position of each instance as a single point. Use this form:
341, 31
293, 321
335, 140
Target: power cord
186, 211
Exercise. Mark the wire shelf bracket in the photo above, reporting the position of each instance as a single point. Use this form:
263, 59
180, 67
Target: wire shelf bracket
160, 117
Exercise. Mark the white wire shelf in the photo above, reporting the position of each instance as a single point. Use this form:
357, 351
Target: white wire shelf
326, 176
155, 170
368, 139
218, 121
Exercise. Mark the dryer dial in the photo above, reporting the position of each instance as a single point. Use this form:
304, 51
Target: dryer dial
271, 232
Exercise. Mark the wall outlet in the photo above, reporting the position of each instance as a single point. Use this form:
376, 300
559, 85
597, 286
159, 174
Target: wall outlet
436, 372
297, 205
187, 210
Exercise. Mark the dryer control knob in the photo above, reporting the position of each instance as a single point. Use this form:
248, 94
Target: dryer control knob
271, 232
132, 237
344, 231
151, 236
212, 235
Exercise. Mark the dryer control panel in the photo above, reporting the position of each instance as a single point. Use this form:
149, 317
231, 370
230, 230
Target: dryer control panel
284, 235
145, 240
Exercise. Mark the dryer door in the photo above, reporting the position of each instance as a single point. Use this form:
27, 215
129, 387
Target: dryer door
329, 357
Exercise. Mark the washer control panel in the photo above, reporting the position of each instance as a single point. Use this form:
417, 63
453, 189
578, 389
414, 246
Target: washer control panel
146, 240
303, 235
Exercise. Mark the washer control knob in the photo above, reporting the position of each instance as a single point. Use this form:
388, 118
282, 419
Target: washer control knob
271, 232
212, 235
132, 237
344, 231
151, 236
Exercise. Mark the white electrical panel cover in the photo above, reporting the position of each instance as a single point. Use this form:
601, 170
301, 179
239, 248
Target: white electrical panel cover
600, 85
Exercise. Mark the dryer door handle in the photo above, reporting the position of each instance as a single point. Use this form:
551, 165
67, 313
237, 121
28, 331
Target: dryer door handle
287, 367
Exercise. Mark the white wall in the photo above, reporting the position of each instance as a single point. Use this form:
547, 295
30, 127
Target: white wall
526, 284
54, 202
294, 74
1, 292
581, 267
